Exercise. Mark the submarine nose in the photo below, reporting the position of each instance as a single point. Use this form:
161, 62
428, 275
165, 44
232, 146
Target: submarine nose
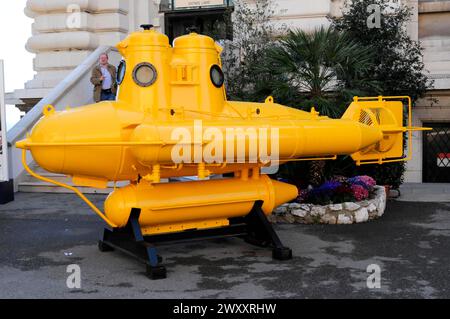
283, 192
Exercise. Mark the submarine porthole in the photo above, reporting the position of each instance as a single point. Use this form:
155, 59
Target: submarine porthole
144, 74
217, 77
121, 72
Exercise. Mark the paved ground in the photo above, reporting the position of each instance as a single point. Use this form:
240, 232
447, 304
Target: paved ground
40, 235
424, 192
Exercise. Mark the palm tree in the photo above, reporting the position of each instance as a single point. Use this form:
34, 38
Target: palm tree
322, 68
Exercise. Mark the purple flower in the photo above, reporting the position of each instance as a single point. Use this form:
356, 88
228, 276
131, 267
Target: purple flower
368, 180
339, 189
330, 186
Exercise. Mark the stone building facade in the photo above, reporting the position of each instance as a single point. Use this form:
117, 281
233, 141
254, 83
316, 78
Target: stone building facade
432, 150
65, 32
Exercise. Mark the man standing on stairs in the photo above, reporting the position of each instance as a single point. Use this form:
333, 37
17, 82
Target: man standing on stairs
104, 80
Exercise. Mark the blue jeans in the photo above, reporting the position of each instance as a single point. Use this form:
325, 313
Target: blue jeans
107, 97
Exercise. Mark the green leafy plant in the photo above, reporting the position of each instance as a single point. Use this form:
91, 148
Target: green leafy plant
252, 34
322, 68
397, 65
398, 60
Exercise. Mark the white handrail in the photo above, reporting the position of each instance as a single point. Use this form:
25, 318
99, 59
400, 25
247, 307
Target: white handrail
75, 90
4, 172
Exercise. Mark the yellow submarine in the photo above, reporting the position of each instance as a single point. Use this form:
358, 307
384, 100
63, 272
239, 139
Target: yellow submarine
172, 119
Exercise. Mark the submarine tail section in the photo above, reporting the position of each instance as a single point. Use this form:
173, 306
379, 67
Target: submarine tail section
384, 114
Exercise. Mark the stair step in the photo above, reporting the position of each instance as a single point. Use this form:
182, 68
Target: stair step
39, 169
59, 178
42, 187
30, 184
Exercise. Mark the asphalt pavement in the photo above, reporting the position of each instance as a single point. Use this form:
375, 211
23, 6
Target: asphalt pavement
42, 234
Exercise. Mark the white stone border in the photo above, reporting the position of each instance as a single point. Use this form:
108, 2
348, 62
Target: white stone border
345, 213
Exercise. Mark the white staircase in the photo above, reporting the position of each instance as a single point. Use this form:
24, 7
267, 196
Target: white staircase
75, 90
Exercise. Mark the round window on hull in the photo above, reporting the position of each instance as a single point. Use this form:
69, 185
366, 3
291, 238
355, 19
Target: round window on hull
121, 72
144, 74
217, 77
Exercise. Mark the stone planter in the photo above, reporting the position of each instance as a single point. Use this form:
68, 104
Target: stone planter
344, 213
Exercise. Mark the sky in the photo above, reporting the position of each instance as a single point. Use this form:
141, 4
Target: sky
15, 29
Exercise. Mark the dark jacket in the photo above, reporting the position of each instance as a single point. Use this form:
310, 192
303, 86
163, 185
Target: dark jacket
95, 80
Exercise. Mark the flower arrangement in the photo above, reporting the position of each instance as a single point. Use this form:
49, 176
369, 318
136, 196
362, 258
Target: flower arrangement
338, 190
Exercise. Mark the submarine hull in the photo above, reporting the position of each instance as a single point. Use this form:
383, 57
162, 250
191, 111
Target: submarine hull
195, 205
105, 142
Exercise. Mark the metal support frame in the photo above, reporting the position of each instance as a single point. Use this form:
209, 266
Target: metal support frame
131, 241
253, 228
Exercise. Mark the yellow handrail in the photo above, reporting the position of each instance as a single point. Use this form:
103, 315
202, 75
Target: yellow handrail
74, 189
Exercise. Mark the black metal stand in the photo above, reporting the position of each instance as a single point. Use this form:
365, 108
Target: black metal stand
254, 228
6, 192
261, 233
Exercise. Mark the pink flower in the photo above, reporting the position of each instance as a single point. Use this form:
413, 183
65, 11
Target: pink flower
369, 181
359, 192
